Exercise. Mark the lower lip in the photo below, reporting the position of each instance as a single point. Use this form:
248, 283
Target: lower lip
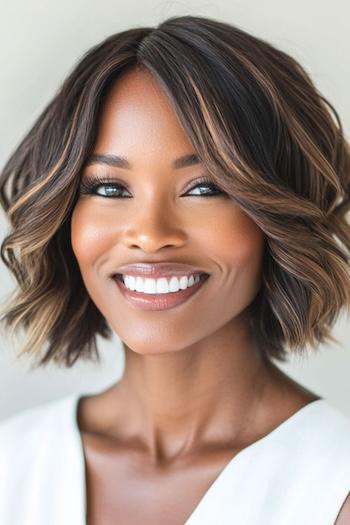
162, 301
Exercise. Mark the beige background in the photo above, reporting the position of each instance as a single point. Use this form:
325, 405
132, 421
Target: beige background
40, 41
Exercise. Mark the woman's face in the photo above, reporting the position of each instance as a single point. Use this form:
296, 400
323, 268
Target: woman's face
162, 216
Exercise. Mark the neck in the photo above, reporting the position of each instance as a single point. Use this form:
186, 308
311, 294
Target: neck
172, 400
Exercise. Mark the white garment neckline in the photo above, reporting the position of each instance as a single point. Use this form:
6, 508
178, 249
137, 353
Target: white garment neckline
220, 478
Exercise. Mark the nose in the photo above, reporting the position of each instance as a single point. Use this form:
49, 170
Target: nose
152, 228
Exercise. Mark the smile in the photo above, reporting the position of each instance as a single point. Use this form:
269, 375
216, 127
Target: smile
162, 301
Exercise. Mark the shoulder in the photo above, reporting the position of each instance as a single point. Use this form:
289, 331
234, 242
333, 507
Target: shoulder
325, 433
34, 444
22, 434
23, 424
12, 424
343, 517
324, 421
322, 460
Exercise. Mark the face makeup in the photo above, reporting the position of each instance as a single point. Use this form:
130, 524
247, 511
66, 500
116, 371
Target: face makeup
157, 225
163, 300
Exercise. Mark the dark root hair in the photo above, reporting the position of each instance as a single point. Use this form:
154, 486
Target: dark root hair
261, 128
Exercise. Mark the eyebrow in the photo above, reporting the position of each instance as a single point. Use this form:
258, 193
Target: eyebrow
117, 161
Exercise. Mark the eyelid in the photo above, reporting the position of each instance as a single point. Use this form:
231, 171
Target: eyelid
105, 177
198, 180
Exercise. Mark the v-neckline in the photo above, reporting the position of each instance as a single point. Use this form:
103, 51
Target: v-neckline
225, 471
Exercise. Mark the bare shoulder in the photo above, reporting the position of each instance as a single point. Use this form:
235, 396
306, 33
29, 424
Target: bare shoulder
343, 517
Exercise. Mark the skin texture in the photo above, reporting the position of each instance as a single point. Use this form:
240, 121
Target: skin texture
195, 390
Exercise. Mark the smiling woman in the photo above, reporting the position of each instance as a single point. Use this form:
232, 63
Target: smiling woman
186, 189
149, 206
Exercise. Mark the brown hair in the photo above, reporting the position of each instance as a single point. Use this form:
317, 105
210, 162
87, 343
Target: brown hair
265, 133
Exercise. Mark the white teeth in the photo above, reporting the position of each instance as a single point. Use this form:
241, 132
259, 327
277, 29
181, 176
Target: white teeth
159, 286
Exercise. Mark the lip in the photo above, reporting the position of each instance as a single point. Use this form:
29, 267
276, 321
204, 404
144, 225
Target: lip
164, 269
163, 301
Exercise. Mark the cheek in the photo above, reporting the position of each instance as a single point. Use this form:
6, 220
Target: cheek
89, 235
240, 247
229, 238
243, 247
235, 241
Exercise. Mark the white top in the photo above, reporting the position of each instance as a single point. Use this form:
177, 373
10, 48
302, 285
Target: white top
298, 473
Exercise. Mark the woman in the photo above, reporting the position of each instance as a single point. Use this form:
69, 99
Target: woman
186, 189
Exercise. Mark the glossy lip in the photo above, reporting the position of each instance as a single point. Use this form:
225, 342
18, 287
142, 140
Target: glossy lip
164, 269
159, 301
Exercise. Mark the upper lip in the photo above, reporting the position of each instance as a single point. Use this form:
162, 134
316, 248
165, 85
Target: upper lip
161, 269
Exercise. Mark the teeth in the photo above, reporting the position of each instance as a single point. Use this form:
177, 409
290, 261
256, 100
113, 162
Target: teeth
159, 286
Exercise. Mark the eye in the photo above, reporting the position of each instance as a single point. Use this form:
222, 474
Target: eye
213, 189
92, 186
111, 189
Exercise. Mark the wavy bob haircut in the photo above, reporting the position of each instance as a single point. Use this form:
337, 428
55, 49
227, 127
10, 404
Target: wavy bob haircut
261, 128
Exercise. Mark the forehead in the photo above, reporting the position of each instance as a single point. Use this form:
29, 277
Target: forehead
137, 114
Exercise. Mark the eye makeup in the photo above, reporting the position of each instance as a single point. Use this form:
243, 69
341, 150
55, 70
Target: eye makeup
91, 183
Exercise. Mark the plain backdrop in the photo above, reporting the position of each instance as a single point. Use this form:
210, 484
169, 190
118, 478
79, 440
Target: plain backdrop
40, 42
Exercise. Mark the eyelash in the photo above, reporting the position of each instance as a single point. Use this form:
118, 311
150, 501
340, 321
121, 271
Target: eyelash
89, 185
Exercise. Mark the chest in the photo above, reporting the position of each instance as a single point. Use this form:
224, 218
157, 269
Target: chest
121, 489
